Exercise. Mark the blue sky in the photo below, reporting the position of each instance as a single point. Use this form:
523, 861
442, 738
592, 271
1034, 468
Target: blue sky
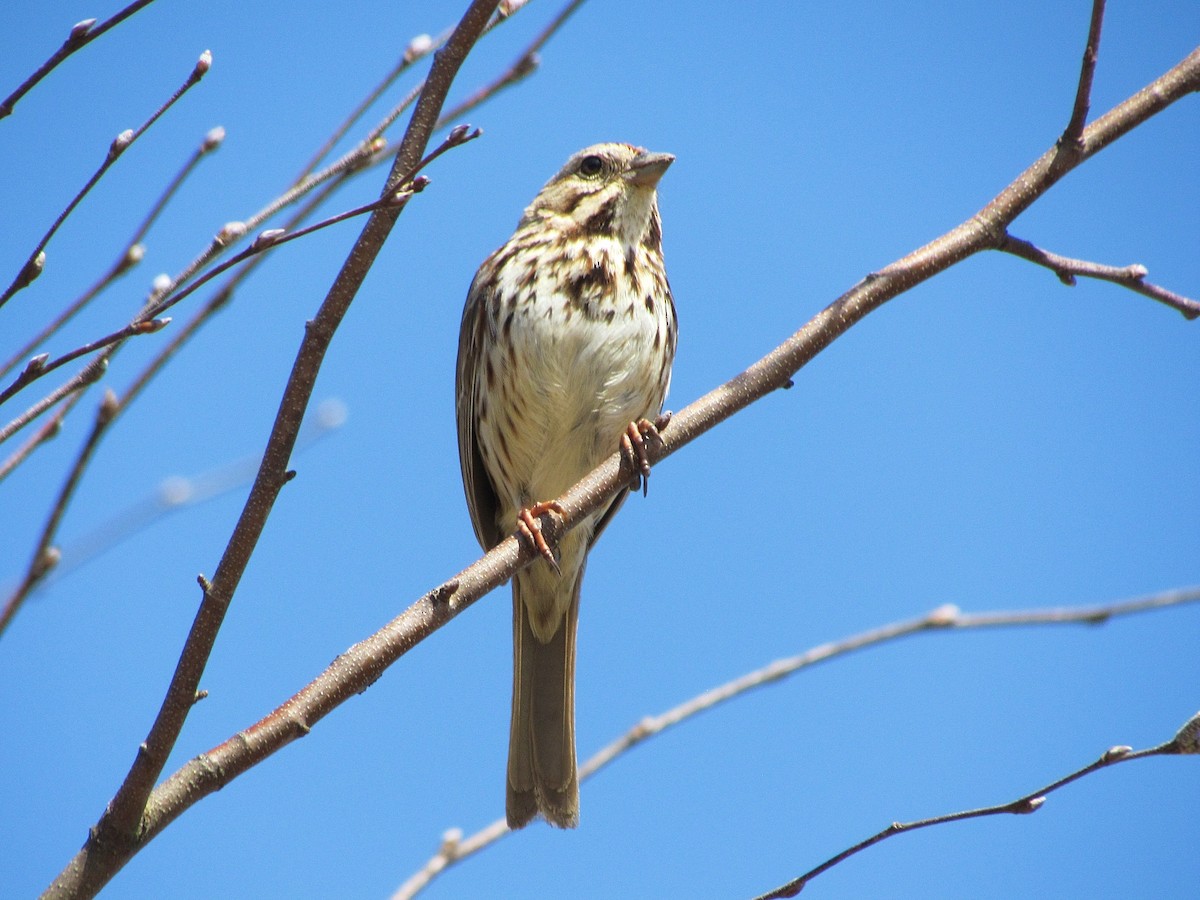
991, 439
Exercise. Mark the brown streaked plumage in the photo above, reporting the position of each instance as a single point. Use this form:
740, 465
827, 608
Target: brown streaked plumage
568, 335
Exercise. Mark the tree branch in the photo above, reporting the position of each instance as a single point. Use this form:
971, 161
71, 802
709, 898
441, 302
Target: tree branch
454, 848
1186, 741
128, 822
80, 36
1087, 71
1131, 277
33, 266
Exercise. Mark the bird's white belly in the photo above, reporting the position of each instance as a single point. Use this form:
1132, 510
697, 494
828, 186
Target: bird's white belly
578, 388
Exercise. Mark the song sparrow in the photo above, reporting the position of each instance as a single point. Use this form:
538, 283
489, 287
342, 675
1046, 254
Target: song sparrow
565, 349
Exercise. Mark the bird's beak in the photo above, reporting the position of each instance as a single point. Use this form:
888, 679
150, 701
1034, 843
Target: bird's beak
647, 168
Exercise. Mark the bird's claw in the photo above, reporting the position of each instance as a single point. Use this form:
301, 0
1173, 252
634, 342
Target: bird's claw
531, 528
633, 448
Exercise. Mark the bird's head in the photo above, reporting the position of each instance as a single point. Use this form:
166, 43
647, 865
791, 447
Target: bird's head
605, 189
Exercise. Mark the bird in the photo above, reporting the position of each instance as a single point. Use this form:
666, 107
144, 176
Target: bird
566, 344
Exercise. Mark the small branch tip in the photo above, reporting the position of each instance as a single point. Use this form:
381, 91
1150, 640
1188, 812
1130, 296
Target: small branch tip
213, 139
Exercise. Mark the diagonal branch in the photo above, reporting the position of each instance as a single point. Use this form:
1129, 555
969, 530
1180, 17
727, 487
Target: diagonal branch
80, 36
455, 848
122, 142
130, 256
128, 822
1132, 277
1186, 741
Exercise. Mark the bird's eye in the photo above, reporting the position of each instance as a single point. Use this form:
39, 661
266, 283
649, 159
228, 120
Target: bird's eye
590, 166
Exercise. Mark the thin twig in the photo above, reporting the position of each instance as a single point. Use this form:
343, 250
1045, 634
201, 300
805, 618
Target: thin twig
130, 256
1087, 71
86, 376
1131, 277
1184, 742
143, 325
45, 555
33, 266
80, 35
39, 366
50, 429
455, 848
130, 820
524, 65
275, 237
418, 48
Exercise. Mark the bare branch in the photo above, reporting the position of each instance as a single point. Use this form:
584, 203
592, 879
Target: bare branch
49, 430
1132, 277
145, 323
1083, 94
455, 848
418, 48
1182, 743
129, 821
38, 366
45, 555
80, 35
130, 256
86, 376
33, 266
524, 65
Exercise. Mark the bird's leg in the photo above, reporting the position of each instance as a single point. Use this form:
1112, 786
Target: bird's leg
531, 528
633, 447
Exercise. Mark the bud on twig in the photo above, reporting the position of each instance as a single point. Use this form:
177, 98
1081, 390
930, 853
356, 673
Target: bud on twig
266, 238
109, 406
120, 142
31, 270
151, 325
213, 139
203, 64
80, 30
233, 231
47, 560
418, 47
35, 365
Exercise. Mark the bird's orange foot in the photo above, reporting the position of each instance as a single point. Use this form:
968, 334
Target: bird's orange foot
633, 447
531, 528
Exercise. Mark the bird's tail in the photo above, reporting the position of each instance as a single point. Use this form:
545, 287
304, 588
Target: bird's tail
541, 745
